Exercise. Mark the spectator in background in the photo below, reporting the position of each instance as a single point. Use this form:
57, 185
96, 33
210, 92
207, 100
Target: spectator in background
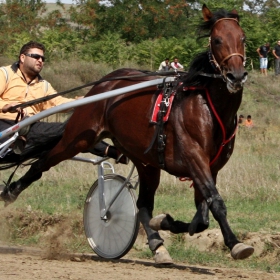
164, 66
176, 65
249, 123
276, 53
263, 54
241, 120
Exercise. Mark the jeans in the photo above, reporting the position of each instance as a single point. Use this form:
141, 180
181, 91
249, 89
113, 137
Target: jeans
277, 66
263, 62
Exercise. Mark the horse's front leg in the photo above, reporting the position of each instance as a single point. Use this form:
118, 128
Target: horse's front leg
149, 180
199, 223
207, 197
219, 211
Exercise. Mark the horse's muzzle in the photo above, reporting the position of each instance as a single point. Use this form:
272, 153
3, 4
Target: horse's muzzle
235, 82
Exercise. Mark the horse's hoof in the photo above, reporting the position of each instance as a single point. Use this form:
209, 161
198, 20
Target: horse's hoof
155, 223
241, 251
2, 195
161, 256
7, 197
122, 159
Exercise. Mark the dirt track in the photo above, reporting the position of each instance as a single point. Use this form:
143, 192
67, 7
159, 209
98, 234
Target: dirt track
31, 265
54, 263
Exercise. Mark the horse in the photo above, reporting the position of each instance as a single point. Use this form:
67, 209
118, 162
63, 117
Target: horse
192, 138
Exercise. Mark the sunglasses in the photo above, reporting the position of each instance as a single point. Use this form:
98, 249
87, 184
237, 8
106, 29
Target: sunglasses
35, 55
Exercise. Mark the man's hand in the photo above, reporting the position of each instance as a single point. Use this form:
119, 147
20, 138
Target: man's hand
9, 108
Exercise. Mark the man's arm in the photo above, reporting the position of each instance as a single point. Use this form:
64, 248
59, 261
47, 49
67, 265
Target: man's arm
274, 53
2, 90
258, 51
172, 65
54, 101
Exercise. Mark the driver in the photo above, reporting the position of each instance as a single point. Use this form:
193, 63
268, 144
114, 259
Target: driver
22, 82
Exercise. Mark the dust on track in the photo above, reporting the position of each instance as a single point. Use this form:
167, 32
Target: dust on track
53, 261
30, 264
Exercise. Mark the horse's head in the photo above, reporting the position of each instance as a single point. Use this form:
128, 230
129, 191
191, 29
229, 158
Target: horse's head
227, 47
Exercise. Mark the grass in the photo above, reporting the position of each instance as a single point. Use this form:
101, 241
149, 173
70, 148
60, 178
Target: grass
51, 209
218, 258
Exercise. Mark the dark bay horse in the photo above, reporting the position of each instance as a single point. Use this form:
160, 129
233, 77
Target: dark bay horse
195, 142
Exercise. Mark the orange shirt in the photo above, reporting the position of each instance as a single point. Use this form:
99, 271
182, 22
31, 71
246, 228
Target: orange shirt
18, 91
249, 123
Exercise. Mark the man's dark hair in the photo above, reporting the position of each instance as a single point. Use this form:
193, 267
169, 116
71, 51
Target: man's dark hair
31, 45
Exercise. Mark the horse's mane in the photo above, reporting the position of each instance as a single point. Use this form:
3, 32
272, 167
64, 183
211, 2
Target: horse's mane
200, 63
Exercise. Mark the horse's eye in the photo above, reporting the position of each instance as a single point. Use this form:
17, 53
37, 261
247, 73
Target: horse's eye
243, 40
217, 41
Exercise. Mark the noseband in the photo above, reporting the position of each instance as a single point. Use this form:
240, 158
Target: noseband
212, 58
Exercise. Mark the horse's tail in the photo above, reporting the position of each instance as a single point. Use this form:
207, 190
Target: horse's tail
36, 147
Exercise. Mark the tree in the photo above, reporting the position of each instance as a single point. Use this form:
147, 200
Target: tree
23, 15
83, 16
136, 20
17, 17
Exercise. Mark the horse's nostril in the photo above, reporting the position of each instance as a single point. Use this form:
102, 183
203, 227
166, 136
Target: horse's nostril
230, 76
235, 78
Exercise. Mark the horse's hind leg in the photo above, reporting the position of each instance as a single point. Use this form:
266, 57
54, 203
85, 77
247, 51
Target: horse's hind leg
149, 181
66, 148
9, 193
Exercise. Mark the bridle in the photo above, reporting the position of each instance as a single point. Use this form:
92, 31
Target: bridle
218, 67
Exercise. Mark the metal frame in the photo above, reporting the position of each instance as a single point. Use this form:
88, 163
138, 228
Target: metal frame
80, 102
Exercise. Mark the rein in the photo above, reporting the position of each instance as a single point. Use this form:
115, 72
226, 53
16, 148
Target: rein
224, 141
215, 76
46, 98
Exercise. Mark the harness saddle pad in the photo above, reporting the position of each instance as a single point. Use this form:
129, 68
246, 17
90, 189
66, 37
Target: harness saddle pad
157, 107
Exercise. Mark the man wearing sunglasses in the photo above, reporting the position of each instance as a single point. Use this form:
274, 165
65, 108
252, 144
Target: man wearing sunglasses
22, 82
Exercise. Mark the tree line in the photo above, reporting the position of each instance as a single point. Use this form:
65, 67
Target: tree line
116, 32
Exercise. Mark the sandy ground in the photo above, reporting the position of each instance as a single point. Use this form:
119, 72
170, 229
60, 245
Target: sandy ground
31, 265
50, 261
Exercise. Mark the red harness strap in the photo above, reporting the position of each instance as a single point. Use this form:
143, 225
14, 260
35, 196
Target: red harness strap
224, 141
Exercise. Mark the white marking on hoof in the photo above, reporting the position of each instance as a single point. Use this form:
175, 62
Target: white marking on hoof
156, 221
161, 256
242, 251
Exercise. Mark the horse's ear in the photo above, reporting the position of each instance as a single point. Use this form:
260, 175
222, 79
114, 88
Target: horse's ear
234, 13
206, 13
